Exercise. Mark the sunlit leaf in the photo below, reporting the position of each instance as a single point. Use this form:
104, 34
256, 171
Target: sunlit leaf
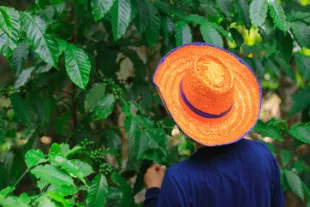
104, 107
34, 157
53, 175
19, 57
210, 35
100, 8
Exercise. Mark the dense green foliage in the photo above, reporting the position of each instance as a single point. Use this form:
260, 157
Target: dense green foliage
68, 60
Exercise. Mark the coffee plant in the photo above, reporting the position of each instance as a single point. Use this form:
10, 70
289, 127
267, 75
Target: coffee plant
80, 121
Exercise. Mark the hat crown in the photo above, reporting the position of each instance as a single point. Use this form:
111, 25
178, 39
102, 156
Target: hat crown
208, 86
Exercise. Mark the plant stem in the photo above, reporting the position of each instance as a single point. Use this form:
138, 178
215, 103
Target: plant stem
21, 177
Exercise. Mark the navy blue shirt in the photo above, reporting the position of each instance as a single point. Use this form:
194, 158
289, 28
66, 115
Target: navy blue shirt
243, 174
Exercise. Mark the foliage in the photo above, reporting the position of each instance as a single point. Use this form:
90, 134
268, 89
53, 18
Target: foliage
81, 76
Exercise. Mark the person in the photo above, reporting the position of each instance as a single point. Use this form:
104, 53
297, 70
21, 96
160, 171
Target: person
215, 99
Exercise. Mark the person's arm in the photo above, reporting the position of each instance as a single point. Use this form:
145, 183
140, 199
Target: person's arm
277, 193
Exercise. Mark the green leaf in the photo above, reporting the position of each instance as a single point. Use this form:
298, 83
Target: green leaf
100, 8
52, 175
243, 10
97, 193
45, 202
299, 16
277, 13
19, 57
7, 45
62, 45
63, 189
273, 68
294, 183
210, 35
95, 94
45, 45
127, 195
6, 191
153, 28
300, 167
226, 6
183, 33
195, 19
34, 157
61, 123
59, 198
301, 132
9, 22
286, 156
12, 202
303, 63
143, 18
258, 12
266, 130
85, 168
301, 33
286, 67
2, 127
23, 77
120, 18
300, 101
77, 65
221, 30
9, 30
22, 110
75, 150
104, 107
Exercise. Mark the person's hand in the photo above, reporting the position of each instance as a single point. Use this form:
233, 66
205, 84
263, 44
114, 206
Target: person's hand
154, 176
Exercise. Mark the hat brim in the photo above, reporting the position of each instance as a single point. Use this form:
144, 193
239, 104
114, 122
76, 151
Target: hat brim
209, 131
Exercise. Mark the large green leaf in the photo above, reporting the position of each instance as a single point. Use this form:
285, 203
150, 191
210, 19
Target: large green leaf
23, 111
12, 202
294, 183
52, 175
299, 16
303, 63
300, 166
243, 10
183, 33
301, 132
258, 12
95, 94
277, 13
9, 30
301, 32
104, 107
77, 65
127, 195
210, 35
97, 193
100, 8
120, 17
300, 100
153, 28
195, 19
2, 127
45, 45
44, 201
19, 57
34, 157
285, 67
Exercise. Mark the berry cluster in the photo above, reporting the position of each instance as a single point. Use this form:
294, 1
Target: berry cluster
160, 124
86, 143
106, 169
97, 154
117, 91
108, 81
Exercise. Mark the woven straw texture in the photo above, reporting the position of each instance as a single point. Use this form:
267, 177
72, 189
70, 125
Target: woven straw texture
213, 81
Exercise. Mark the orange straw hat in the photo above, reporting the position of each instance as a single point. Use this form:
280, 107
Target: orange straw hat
212, 95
